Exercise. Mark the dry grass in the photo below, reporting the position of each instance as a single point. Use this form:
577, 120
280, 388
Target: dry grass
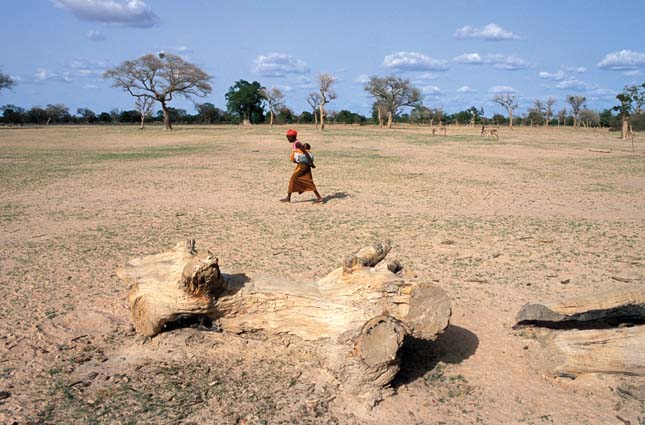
494, 223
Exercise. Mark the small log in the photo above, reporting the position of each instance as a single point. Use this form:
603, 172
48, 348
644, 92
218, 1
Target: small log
617, 350
626, 303
358, 314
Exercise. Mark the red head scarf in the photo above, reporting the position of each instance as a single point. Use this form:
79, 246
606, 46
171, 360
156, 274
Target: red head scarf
291, 132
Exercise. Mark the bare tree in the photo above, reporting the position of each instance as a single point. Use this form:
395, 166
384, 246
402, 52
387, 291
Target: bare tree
589, 118
313, 99
509, 102
327, 94
562, 116
275, 100
548, 110
393, 93
144, 107
6, 82
160, 78
381, 109
577, 103
57, 112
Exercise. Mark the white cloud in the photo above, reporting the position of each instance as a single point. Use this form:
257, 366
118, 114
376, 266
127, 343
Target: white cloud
88, 68
131, 13
414, 61
632, 73
574, 84
42, 75
555, 76
279, 65
497, 60
362, 79
580, 70
491, 32
430, 90
95, 35
623, 60
502, 90
90, 86
466, 89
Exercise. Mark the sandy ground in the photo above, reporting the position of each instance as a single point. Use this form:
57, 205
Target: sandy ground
494, 223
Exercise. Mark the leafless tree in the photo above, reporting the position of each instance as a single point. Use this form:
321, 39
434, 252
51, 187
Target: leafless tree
509, 102
562, 116
577, 104
393, 93
6, 82
381, 110
589, 118
327, 94
160, 78
548, 110
56, 112
275, 100
144, 107
313, 99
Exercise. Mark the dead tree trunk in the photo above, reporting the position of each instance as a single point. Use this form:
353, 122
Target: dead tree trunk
358, 314
605, 349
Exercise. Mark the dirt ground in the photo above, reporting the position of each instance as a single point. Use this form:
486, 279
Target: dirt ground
534, 216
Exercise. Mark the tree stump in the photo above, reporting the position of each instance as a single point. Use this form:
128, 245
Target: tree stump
358, 314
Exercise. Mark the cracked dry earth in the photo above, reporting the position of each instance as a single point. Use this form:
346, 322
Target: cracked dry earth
538, 215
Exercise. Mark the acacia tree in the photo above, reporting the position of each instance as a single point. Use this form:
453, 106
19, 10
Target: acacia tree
275, 100
577, 104
6, 82
548, 109
160, 78
508, 102
393, 93
562, 116
313, 99
57, 112
327, 94
144, 105
379, 109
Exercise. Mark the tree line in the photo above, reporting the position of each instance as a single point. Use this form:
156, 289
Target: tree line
158, 79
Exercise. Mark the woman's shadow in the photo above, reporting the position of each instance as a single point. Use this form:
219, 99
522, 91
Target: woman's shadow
419, 356
335, 195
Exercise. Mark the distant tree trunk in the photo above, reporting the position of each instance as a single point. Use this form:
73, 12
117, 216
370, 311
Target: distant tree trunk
322, 117
271, 119
624, 128
389, 119
48, 119
316, 119
143, 118
166, 116
510, 118
380, 117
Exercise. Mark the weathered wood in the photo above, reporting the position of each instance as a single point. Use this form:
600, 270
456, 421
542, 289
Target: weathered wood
358, 314
616, 350
622, 303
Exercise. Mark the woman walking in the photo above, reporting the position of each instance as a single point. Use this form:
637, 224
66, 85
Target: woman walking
301, 180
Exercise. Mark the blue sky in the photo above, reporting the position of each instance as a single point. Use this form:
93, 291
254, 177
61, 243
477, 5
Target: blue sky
459, 53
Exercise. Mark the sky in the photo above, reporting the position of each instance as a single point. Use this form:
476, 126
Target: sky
458, 53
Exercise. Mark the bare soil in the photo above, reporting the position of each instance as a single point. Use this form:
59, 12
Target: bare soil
534, 216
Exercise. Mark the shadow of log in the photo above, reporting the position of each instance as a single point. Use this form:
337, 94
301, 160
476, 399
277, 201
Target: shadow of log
419, 356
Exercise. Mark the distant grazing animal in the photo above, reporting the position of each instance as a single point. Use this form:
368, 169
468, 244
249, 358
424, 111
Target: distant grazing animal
437, 130
493, 132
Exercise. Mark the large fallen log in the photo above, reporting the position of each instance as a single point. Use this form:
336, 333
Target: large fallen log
601, 347
617, 350
359, 314
627, 303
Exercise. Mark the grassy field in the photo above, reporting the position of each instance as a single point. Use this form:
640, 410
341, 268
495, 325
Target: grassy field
495, 223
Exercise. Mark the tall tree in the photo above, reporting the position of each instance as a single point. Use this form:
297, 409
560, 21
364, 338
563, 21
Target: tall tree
577, 103
632, 100
245, 100
6, 82
313, 99
275, 101
327, 94
562, 116
208, 113
160, 78
87, 115
144, 107
57, 113
393, 93
548, 110
508, 102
